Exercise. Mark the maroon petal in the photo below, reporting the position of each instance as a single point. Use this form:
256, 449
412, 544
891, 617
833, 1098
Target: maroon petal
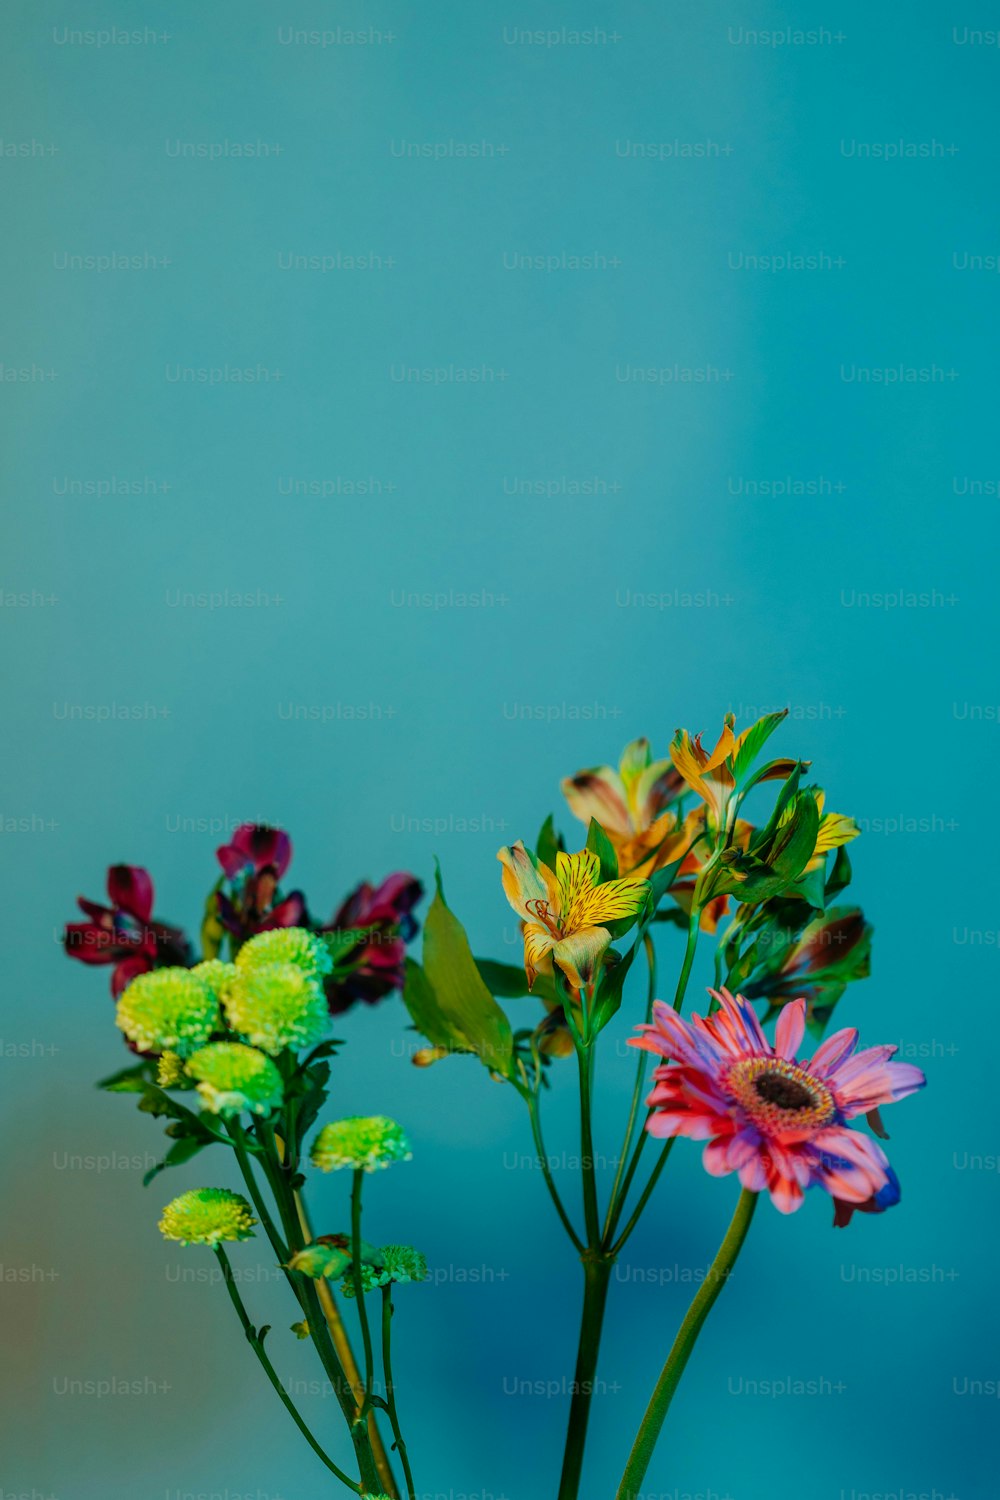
397, 895
127, 970
89, 943
131, 889
288, 913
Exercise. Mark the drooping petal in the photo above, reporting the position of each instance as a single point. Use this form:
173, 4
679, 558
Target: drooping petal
790, 1029
131, 889
580, 952
538, 944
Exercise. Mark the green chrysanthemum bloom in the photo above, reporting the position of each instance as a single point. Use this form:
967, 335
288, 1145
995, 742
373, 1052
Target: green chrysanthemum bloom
287, 945
207, 1216
403, 1263
372, 1277
216, 976
362, 1141
232, 1078
168, 1010
277, 1006
169, 1070
330, 1255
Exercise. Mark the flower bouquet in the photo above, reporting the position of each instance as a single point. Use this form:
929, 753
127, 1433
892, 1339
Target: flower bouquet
232, 1048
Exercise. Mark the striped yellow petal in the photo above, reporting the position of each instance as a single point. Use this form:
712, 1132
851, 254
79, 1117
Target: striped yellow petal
576, 874
604, 903
835, 829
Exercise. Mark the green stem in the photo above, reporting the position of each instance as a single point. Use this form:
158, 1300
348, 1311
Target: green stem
659, 1403
591, 1212
531, 1099
257, 1198
694, 928
597, 1274
646, 1194
640, 1078
256, 1342
359, 1290
390, 1389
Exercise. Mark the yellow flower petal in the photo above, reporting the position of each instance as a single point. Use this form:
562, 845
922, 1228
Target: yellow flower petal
576, 874
604, 903
835, 829
538, 944
525, 881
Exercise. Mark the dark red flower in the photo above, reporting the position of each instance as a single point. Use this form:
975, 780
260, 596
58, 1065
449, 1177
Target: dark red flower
253, 863
384, 920
124, 933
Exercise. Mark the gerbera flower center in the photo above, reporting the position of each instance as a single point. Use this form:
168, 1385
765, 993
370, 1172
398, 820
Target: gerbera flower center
778, 1095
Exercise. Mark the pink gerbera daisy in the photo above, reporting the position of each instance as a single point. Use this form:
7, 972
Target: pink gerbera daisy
779, 1123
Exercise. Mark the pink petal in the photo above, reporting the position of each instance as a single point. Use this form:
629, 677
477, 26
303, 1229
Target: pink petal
833, 1051
790, 1029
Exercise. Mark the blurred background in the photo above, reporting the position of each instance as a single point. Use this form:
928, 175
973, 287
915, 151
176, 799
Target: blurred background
405, 407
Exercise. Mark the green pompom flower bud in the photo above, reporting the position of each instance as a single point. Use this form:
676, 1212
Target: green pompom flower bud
168, 1010
232, 1078
277, 1006
372, 1277
169, 1070
403, 1263
216, 976
207, 1216
365, 1142
287, 945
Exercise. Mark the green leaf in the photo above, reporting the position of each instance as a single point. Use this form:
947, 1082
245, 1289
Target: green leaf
458, 987
510, 980
426, 1014
128, 1080
608, 999
840, 875
343, 941
181, 1151
756, 738
549, 843
661, 880
599, 843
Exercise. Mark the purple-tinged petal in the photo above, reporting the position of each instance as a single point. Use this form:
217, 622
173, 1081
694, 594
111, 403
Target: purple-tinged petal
790, 1029
131, 889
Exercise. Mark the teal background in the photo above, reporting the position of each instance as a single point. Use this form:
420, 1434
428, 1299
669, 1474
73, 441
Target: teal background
325, 693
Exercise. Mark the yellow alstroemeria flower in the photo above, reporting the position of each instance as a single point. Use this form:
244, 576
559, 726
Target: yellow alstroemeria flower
710, 774
631, 806
563, 910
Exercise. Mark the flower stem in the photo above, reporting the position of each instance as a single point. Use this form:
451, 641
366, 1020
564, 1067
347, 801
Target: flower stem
611, 1217
390, 1389
359, 1290
694, 1320
531, 1099
256, 1342
597, 1274
345, 1354
591, 1212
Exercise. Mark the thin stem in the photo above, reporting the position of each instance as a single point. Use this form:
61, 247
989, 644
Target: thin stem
390, 1388
659, 1403
646, 1194
640, 1078
531, 1099
345, 1354
597, 1274
259, 1202
256, 1342
694, 928
591, 1212
359, 1290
